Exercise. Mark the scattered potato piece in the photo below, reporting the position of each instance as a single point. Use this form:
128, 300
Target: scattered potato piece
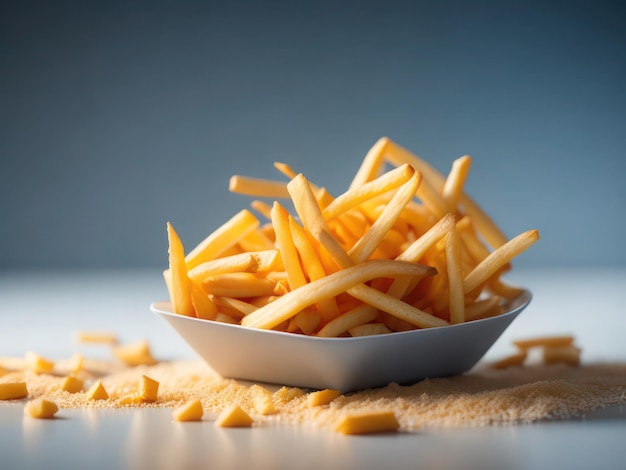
3, 371
367, 423
544, 341
97, 392
135, 354
13, 390
561, 355
322, 397
38, 364
513, 360
190, 411
40, 409
72, 384
99, 337
234, 417
148, 389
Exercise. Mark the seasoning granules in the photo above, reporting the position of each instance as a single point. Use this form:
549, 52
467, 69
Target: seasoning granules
482, 397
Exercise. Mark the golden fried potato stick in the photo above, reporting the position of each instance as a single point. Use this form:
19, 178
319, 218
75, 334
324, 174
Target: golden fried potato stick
366, 245
498, 258
314, 268
332, 285
396, 307
307, 320
250, 262
500, 288
238, 307
258, 187
371, 164
311, 216
545, 341
353, 197
414, 252
203, 305
398, 155
286, 247
456, 294
239, 285
255, 241
453, 187
369, 329
285, 169
179, 283
223, 238
262, 208
483, 308
357, 316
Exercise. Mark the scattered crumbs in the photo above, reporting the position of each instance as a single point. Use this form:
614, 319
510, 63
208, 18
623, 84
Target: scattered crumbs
482, 397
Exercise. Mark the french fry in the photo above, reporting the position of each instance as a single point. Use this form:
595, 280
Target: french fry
498, 258
514, 360
330, 286
284, 242
203, 306
242, 262
364, 248
545, 341
314, 269
398, 155
238, 285
483, 308
263, 208
369, 329
180, 289
355, 317
223, 238
456, 303
285, 170
453, 186
367, 191
371, 164
258, 187
401, 248
242, 308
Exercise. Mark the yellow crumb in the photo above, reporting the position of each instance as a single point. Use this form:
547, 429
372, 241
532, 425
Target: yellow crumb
13, 390
190, 411
97, 392
322, 397
40, 408
234, 417
71, 384
148, 389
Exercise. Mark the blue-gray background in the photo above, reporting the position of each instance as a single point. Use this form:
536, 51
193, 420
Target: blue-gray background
118, 116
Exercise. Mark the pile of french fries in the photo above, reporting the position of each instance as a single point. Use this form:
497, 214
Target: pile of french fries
404, 247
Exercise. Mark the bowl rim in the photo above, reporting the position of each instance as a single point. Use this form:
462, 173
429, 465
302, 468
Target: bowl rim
516, 304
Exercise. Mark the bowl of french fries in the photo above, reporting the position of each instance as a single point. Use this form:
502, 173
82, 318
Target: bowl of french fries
399, 278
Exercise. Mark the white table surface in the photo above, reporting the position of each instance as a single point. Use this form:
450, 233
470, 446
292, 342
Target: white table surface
42, 311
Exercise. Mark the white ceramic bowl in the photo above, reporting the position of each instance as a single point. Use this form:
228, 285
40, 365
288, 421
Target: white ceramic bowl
345, 364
